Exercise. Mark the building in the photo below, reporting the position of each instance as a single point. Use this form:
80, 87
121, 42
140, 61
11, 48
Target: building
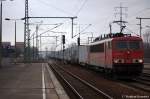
6, 44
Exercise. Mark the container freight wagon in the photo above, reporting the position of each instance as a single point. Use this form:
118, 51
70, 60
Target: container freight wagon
67, 55
83, 54
74, 57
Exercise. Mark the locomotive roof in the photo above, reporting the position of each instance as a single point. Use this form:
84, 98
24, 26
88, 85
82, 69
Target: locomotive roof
127, 38
101, 41
116, 38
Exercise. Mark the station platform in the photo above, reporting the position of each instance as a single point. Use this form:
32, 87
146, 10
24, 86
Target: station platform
29, 81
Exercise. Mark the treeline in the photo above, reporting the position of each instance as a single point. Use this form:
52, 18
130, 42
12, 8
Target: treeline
146, 39
146, 50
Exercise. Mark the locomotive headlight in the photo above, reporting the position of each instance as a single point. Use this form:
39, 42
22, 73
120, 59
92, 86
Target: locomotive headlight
115, 60
137, 60
140, 60
118, 60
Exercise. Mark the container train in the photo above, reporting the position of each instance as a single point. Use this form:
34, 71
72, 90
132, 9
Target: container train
120, 55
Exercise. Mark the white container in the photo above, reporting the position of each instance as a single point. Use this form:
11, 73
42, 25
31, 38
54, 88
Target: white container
83, 55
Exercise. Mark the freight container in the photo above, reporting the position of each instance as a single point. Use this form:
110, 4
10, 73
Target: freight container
83, 55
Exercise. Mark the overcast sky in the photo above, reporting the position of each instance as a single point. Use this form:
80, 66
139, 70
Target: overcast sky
99, 13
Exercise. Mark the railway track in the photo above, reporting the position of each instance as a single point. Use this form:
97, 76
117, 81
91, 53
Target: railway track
139, 84
142, 82
146, 74
146, 68
145, 77
81, 88
116, 89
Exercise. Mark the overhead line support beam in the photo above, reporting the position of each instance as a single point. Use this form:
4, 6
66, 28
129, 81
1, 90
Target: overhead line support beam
72, 18
141, 24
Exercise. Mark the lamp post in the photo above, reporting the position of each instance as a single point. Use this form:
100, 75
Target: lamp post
15, 32
1, 30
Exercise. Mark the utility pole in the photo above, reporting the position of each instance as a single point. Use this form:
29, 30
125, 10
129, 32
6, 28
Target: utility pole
37, 27
46, 53
121, 16
38, 41
27, 27
26, 34
40, 47
55, 46
72, 26
1, 19
63, 44
35, 36
28, 40
15, 21
141, 24
110, 26
15, 42
33, 48
1, 36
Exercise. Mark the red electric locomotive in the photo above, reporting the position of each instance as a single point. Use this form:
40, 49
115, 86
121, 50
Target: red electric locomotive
121, 55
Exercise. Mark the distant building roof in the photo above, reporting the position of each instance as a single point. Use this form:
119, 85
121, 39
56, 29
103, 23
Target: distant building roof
19, 44
6, 44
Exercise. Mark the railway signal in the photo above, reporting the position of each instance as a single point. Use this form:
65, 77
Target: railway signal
78, 41
63, 42
63, 39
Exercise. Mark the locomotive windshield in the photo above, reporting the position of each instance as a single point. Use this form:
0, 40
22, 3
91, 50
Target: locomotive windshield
123, 45
134, 45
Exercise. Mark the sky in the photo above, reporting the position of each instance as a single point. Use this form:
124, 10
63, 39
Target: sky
98, 13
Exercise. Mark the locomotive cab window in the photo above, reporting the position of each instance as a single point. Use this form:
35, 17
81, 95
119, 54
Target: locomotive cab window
121, 45
134, 45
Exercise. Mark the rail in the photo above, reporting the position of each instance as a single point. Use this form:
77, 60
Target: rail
82, 81
70, 86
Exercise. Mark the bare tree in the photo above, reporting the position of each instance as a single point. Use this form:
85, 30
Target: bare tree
146, 37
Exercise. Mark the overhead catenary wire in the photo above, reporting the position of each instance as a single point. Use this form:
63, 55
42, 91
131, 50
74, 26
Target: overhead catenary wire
81, 7
51, 29
138, 12
53, 6
62, 10
127, 28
